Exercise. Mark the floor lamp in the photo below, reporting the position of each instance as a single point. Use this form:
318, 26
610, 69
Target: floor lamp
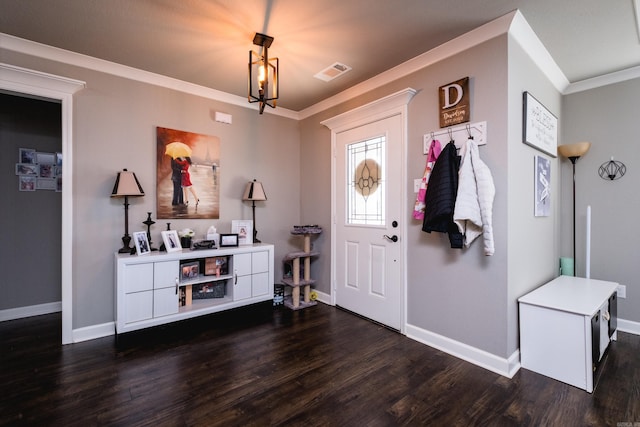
254, 191
573, 152
126, 186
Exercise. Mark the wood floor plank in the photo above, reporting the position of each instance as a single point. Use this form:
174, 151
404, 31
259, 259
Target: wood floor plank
260, 366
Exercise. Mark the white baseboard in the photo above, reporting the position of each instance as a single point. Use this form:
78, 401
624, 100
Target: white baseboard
629, 326
325, 298
92, 332
505, 367
32, 310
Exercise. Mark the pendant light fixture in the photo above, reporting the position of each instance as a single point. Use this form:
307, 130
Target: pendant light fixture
263, 71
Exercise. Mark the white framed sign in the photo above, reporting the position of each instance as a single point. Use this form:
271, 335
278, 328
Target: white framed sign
539, 127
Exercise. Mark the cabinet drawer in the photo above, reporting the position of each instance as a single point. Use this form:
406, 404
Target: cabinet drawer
260, 262
242, 264
138, 277
242, 288
138, 306
259, 284
165, 301
165, 274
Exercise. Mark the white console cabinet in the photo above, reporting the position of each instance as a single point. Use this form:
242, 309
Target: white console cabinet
565, 329
149, 287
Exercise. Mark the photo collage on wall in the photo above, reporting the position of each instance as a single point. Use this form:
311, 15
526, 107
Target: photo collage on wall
38, 170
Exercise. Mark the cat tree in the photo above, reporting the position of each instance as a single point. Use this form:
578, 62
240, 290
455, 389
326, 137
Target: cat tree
296, 282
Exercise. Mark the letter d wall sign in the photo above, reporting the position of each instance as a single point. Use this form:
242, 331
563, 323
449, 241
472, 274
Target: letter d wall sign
454, 103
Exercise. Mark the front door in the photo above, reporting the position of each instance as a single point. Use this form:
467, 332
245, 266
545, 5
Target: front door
368, 215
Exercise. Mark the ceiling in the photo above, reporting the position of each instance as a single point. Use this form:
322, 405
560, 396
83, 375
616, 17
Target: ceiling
207, 42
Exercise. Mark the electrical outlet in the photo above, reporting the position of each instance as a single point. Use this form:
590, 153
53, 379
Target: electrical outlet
416, 184
622, 291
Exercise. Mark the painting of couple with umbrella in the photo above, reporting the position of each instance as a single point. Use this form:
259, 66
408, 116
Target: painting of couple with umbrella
188, 175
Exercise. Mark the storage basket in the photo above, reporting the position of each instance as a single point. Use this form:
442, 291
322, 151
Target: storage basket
208, 290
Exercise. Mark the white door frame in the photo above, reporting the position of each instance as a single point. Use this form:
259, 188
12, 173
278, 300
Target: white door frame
25, 81
394, 104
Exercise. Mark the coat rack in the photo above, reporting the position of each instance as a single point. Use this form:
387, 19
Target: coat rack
459, 134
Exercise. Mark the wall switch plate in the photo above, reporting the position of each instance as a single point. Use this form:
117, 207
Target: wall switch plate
416, 185
621, 291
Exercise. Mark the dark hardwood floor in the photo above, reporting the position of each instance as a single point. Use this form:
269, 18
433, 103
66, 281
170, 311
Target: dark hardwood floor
262, 366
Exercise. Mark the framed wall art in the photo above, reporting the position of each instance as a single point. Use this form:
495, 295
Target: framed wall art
542, 186
539, 126
187, 175
39, 171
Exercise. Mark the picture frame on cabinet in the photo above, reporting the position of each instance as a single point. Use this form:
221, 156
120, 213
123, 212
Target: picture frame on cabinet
244, 230
142, 242
189, 271
171, 240
228, 240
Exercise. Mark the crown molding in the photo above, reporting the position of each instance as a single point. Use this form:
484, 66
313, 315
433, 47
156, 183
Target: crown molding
521, 32
604, 80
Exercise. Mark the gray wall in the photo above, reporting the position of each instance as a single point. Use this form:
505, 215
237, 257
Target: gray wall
30, 254
532, 241
608, 118
459, 294
114, 128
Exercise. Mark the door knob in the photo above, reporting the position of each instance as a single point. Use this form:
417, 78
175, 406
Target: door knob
393, 238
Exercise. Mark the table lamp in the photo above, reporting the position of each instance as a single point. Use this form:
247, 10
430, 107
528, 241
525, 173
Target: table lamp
254, 191
126, 186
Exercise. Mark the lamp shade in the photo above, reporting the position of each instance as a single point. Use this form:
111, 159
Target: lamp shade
127, 185
254, 191
577, 149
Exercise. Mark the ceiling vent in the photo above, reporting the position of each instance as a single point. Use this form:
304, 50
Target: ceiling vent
331, 72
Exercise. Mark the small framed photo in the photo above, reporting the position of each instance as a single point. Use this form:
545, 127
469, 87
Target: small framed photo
59, 160
228, 240
27, 155
29, 169
244, 230
142, 242
47, 171
46, 184
27, 183
59, 184
45, 158
171, 240
189, 271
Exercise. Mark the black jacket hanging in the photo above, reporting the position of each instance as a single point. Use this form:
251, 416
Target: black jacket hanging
440, 199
